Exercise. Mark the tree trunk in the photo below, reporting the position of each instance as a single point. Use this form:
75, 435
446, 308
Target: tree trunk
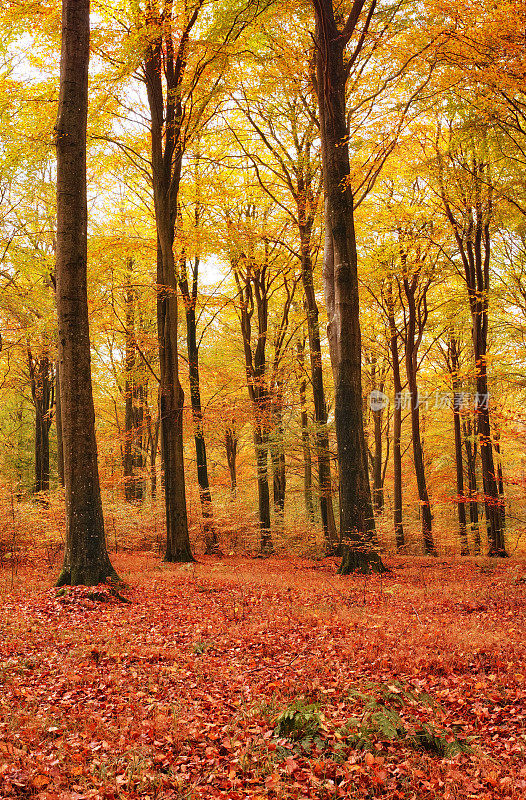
356, 512
471, 459
321, 433
42, 392
377, 459
277, 455
58, 423
457, 403
305, 437
261, 446
472, 236
205, 497
231, 444
171, 400
397, 423
86, 560
166, 119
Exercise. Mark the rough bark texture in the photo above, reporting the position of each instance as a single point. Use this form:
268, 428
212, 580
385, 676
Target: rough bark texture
86, 559
166, 120
342, 295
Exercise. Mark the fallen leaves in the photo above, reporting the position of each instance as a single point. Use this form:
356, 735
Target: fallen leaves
170, 695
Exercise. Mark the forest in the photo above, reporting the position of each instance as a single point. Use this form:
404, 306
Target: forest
262, 367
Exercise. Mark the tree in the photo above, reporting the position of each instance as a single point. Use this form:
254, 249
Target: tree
166, 56
467, 195
86, 560
341, 282
42, 380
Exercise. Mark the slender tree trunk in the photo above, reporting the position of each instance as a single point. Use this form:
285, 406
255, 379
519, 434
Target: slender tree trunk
305, 436
205, 497
129, 390
471, 459
321, 433
171, 401
231, 445
86, 560
277, 455
42, 391
166, 119
261, 447
377, 459
397, 424
356, 512
457, 403
472, 236
58, 423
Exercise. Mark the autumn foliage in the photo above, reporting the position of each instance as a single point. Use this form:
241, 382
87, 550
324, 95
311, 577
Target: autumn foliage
274, 679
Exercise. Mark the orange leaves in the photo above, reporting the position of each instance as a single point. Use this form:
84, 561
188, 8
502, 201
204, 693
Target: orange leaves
153, 714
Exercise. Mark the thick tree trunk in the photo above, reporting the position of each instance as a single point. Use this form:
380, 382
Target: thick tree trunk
356, 512
86, 560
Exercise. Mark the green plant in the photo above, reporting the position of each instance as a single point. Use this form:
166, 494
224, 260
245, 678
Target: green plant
300, 720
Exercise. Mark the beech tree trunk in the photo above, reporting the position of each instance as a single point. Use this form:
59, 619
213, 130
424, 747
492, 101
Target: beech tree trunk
357, 530
277, 456
397, 422
473, 239
453, 352
86, 560
205, 497
134, 399
416, 320
166, 120
253, 296
231, 445
58, 424
43, 394
305, 435
321, 433
470, 447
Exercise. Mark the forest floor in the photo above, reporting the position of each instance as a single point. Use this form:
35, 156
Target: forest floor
245, 678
